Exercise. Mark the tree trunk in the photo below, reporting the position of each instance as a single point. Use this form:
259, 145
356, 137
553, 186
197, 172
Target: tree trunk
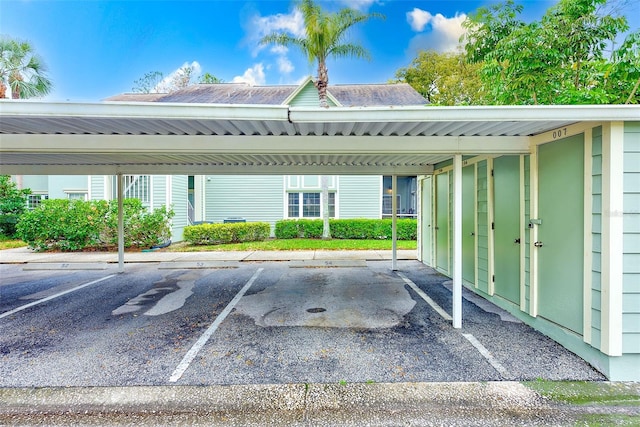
322, 83
326, 232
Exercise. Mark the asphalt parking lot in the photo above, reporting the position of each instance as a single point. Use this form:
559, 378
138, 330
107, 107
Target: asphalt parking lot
234, 323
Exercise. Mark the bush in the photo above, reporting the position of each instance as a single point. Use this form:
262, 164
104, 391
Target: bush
216, 234
362, 228
72, 225
13, 203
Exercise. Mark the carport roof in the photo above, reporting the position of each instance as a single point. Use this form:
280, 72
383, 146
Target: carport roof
129, 137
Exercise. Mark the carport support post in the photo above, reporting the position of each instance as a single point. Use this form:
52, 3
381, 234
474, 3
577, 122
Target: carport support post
394, 223
457, 241
120, 192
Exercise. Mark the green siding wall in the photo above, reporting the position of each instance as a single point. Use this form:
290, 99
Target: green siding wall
359, 197
596, 235
483, 226
255, 198
631, 241
308, 97
97, 187
179, 194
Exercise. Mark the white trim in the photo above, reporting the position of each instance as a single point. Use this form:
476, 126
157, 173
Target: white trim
457, 241
475, 224
533, 237
588, 235
522, 236
89, 188
612, 236
490, 231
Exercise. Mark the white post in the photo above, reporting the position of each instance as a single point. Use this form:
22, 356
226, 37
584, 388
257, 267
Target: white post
394, 223
457, 241
120, 191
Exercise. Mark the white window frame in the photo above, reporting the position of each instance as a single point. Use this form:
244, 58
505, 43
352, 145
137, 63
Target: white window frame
301, 204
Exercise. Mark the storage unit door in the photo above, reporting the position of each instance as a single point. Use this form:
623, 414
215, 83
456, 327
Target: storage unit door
506, 196
469, 224
560, 234
442, 221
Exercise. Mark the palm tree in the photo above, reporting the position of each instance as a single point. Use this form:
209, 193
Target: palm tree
22, 71
325, 33
324, 38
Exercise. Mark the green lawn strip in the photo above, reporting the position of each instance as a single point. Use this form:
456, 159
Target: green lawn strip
605, 420
588, 392
299, 245
9, 243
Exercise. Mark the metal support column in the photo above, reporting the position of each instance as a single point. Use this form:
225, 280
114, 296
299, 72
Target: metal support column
457, 241
120, 192
394, 223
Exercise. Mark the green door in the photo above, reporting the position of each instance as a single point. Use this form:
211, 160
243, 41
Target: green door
469, 224
506, 235
560, 234
442, 221
426, 215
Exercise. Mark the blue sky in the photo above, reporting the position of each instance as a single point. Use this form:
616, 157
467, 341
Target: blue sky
95, 49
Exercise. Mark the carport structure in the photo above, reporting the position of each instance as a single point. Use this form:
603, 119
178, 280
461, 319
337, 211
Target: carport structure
119, 138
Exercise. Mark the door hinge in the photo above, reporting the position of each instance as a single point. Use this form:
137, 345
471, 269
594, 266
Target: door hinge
491, 172
493, 225
493, 278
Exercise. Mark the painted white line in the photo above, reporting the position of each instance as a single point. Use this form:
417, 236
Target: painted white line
40, 301
193, 351
425, 297
485, 353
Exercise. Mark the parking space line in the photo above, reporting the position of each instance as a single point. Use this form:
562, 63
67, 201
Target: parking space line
59, 294
195, 349
425, 297
487, 355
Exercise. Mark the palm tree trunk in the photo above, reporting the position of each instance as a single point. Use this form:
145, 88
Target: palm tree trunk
322, 83
326, 231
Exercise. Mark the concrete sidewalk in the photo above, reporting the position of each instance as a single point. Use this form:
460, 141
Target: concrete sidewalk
25, 255
388, 404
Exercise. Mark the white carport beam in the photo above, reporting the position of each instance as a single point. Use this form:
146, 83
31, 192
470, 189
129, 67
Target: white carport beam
394, 223
457, 241
120, 191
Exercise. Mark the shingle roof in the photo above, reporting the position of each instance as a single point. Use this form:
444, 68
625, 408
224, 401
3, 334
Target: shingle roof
362, 95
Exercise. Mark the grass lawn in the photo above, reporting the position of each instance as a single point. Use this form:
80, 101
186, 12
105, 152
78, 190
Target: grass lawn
9, 243
298, 245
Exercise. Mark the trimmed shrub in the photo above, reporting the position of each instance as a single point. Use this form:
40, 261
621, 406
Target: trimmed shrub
73, 225
361, 228
13, 203
217, 234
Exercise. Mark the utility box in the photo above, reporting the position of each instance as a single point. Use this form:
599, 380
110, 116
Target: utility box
233, 219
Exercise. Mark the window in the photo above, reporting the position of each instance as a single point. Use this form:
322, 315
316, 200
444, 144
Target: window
294, 205
76, 195
34, 200
311, 205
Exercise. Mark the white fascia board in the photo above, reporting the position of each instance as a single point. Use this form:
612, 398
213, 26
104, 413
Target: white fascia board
185, 144
467, 113
151, 110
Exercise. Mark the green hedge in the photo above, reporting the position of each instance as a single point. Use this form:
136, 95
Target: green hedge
72, 225
216, 234
361, 228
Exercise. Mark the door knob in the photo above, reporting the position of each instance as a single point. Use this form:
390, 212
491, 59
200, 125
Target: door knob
538, 244
517, 240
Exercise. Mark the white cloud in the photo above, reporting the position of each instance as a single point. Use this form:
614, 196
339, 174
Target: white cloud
444, 34
260, 26
284, 65
177, 78
254, 76
358, 4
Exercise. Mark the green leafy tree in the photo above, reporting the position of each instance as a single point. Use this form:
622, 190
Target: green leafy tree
13, 203
23, 73
444, 78
208, 78
324, 38
148, 83
559, 59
